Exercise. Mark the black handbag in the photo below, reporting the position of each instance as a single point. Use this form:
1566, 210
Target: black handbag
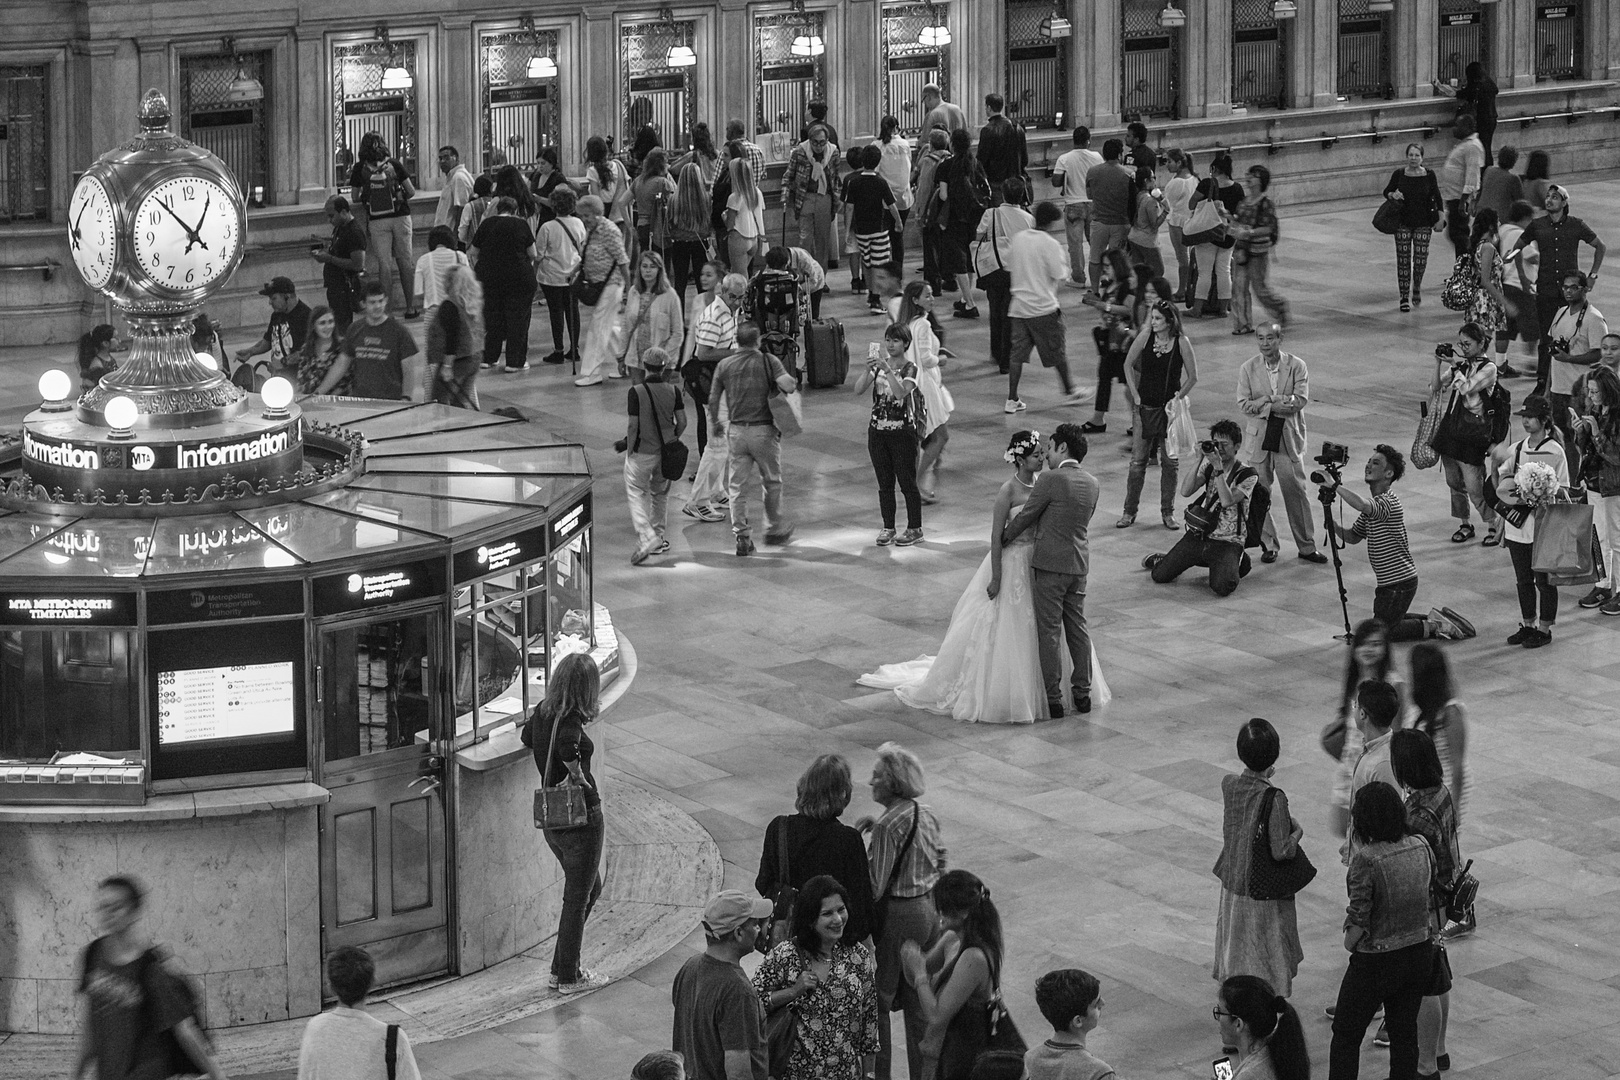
1387, 219
1462, 435
1271, 442
560, 807
672, 454
1461, 893
880, 905
781, 1038
1273, 879
587, 292
1440, 977
783, 895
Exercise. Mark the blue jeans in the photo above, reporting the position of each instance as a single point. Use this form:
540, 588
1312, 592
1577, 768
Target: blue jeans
579, 852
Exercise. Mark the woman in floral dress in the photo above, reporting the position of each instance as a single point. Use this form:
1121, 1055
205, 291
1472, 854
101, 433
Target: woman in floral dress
829, 983
1490, 306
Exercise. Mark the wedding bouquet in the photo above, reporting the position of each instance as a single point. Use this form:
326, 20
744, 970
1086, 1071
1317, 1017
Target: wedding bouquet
1537, 484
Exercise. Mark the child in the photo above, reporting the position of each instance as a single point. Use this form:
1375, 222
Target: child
348, 1041
1071, 1000
857, 283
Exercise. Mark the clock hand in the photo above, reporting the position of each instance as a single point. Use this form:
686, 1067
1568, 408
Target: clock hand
196, 237
77, 236
190, 232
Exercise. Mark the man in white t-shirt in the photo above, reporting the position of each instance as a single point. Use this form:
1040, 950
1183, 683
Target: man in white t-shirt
348, 1043
457, 190
1573, 339
1037, 264
1069, 177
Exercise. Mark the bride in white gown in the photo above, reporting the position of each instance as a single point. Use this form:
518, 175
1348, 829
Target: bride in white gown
988, 669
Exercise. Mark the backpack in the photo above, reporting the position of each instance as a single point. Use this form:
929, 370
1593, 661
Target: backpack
1499, 407
969, 193
382, 188
180, 1062
659, 222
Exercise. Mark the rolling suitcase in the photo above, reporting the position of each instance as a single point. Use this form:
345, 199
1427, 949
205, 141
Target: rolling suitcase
826, 355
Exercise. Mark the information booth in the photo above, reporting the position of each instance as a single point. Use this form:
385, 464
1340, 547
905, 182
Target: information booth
295, 721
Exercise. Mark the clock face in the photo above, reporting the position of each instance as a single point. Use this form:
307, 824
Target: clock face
186, 234
91, 236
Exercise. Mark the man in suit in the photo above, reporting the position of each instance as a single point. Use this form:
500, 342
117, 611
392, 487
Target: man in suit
1273, 389
1062, 501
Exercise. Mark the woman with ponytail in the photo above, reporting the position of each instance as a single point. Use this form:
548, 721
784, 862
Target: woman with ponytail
956, 980
1261, 1030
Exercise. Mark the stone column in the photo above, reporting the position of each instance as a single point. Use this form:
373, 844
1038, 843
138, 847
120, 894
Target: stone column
1094, 72
1414, 48
155, 71
1515, 42
1314, 64
728, 68
599, 82
1209, 33
306, 92
1602, 40
978, 30
115, 93
457, 90
855, 59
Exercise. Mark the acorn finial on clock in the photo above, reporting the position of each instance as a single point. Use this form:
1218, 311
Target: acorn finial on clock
155, 113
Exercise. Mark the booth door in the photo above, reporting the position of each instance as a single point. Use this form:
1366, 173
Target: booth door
383, 854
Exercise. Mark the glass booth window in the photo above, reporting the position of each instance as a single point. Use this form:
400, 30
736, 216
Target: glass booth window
1259, 56
67, 690
25, 158
573, 620
521, 112
914, 55
1037, 64
376, 685
1150, 64
1464, 38
1558, 41
213, 114
1363, 51
789, 74
361, 104
501, 650
656, 91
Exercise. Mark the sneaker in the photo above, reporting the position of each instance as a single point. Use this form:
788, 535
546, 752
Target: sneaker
1519, 636
909, 537
1445, 627
588, 980
1537, 639
616, 375
662, 549
1452, 932
1611, 606
1014, 406
745, 546
553, 358
1150, 561
1443, 1062
1461, 623
1093, 428
875, 309
1080, 395
969, 312
552, 982
1382, 1036
640, 556
1596, 598
885, 537
1508, 371
702, 513
589, 380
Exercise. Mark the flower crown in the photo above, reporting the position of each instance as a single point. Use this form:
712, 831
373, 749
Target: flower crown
1022, 444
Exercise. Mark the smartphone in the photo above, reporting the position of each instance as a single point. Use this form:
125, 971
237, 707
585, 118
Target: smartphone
1221, 1069
874, 351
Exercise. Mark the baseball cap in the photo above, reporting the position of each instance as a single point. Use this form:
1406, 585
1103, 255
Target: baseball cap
1535, 405
729, 910
282, 285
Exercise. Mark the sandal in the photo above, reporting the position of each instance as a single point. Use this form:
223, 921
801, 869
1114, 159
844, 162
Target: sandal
1125, 521
1240, 331
1464, 533
1492, 539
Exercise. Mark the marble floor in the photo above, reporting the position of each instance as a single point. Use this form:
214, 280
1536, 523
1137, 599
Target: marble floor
1097, 835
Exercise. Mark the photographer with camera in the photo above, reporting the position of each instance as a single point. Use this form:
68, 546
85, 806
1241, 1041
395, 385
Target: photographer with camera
1383, 525
1573, 348
1464, 436
1217, 520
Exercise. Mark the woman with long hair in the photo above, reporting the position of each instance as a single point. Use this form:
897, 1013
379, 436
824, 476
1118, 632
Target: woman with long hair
1255, 937
503, 254
1440, 715
322, 347
1160, 368
1387, 934
1423, 213
745, 217
1597, 430
558, 246
1213, 254
1178, 193
650, 196
455, 340
572, 702
545, 181
688, 226
481, 205
1490, 308
1466, 370
606, 178
1369, 658
1431, 814
1537, 179
1116, 297
824, 973
1150, 213
916, 313
703, 154
652, 315
965, 191
954, 991
895, 167
1254, 227
95, 355
510, 183
1262, 1029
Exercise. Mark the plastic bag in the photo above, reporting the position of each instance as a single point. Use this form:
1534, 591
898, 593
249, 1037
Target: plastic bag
1180, 437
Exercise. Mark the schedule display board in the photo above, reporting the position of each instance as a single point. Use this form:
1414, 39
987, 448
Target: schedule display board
199, 704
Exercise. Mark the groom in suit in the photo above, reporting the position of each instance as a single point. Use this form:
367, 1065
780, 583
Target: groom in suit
1062, 501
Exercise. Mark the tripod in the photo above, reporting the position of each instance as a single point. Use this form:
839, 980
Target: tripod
1335, 545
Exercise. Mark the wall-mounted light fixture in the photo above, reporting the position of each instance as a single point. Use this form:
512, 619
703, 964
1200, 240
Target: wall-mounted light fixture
1283, 10
244, 88
394, 76
679, 56
1172, 16
540, 65
936, 34
807, 42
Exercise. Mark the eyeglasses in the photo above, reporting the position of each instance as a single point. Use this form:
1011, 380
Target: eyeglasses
1217, 1012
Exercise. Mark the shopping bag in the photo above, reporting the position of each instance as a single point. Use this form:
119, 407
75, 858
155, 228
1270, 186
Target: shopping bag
1424, 455
1563, 544
1180, 437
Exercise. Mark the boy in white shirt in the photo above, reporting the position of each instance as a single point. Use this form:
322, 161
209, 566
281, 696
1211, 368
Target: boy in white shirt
433, 269
348, 1043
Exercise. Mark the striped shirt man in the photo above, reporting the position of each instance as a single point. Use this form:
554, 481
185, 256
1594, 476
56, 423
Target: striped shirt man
1383, 526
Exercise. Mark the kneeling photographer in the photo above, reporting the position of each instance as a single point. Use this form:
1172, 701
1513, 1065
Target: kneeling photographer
1218, 519
1383, 525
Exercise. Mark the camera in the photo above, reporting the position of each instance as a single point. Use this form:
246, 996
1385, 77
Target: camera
1207, 446
1445, 350
1333, 457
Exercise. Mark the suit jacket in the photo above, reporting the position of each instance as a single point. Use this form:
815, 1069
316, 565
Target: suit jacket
1063, 501
1293, 385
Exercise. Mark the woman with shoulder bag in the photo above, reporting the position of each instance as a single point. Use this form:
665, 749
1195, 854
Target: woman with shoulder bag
1387, 932
1159, 369
559, 244
958, 980
1117, 297
1439, 715
657, 419
812, 841
563, 753
454, 341
1254, 227
1431, 815
599, 287
1598, 428
1423, 213
906, 860
991, 242
652, 316
1151, 212
1256, 936
824, 975
1212, 205
1467, 372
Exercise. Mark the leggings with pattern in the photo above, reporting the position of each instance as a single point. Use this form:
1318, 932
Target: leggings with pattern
1411, 259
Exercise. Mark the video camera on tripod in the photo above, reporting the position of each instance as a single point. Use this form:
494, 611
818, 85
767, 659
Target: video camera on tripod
1333, 458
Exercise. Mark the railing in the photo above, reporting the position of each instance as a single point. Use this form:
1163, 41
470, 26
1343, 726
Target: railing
1378, 135
47, 269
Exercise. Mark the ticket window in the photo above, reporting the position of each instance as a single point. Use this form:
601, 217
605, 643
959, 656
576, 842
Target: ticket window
656, 91
1559, 44
790, 73
1037, 65
913, 56
68, 690
520, 105
1150, 64
362, 103
1463, 38
501, 650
